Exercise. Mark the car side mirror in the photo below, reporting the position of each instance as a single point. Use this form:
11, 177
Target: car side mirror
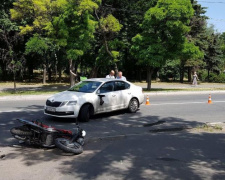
101, 100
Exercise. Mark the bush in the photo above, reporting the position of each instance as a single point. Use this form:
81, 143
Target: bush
203, 75
213, 77
220, 78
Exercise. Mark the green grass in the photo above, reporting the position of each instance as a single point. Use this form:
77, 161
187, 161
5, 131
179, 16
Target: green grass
51, 88
29, 84
32, 88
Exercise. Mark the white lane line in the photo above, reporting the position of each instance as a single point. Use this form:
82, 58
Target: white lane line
203, 102
20, 110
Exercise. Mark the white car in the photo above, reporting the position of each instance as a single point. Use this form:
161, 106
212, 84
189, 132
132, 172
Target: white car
94, 96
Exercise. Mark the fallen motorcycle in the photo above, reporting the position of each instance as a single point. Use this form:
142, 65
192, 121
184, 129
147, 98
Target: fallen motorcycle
37, 133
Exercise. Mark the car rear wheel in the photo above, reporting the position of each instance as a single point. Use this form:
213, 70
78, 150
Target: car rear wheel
85, 113
133, 105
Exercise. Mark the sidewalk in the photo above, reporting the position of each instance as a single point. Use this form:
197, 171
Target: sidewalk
159, 88
165, 85
155, 85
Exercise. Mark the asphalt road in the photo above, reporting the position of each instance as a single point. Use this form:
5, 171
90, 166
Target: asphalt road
122, 145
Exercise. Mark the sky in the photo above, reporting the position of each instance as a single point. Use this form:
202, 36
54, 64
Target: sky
216, 13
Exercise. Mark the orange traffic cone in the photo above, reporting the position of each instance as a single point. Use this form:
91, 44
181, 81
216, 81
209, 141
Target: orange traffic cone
147, 101
210, 100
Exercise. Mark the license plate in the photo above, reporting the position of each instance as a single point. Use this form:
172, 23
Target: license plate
52, 109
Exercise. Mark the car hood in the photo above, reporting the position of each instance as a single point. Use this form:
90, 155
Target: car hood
67, 96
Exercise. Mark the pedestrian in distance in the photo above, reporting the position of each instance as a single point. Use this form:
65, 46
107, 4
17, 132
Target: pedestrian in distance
111, 75
195, 79
120, 76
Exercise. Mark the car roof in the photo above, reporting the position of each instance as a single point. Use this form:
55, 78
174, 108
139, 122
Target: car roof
103, 79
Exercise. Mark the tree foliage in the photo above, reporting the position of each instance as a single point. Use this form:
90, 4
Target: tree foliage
12, 58
95, 36
163, 33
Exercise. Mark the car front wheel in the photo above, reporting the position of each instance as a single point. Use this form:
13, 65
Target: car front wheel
84, 114
133, 105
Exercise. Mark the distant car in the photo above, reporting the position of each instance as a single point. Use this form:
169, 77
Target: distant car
94, 96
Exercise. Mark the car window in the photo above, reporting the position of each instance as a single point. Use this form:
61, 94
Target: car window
85, 86
107, 87
120, 85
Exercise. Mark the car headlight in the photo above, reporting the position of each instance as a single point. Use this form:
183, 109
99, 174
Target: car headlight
63, 103
70, 103
83, 133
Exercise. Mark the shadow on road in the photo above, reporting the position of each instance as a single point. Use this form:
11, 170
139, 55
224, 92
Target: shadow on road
139, 155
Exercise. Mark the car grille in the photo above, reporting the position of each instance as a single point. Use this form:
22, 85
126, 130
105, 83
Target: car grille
60, 113
53, 104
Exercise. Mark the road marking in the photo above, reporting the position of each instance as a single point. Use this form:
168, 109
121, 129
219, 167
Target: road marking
203, 102
20, 110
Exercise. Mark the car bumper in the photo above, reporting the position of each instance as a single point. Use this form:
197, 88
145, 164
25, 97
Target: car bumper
141, 98
65, 112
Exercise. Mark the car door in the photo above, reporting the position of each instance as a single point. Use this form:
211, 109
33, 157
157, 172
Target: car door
123, 88
109, 98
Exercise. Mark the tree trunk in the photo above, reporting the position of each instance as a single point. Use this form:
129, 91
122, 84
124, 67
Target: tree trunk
30, 72
56, 64
72, 79
181, 73
44, 73
208, 75
59, 69
189, 74
49, 74
94, 72
4, 72
14, 80
60, 75
149, 77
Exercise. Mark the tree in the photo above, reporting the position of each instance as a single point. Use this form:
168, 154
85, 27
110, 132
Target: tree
129, 13
197, 37
67, 23
213, 56
190, 57
163, 34
108, 27
169, 70
38, 46
11, 55
80, 30
38, 17
222, 39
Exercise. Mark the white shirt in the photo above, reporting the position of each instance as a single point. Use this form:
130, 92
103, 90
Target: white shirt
122, 78
109, 76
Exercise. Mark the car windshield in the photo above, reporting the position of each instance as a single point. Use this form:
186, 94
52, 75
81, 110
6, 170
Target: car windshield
85, 86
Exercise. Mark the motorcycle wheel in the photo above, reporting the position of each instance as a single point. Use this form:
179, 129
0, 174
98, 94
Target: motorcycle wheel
67, 146
81, 141
21, 131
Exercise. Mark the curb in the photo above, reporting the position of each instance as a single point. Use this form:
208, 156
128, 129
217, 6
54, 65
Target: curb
25, 97
183, 92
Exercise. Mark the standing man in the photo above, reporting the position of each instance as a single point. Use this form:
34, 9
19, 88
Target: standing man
120, 76
111, 75
195, 78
